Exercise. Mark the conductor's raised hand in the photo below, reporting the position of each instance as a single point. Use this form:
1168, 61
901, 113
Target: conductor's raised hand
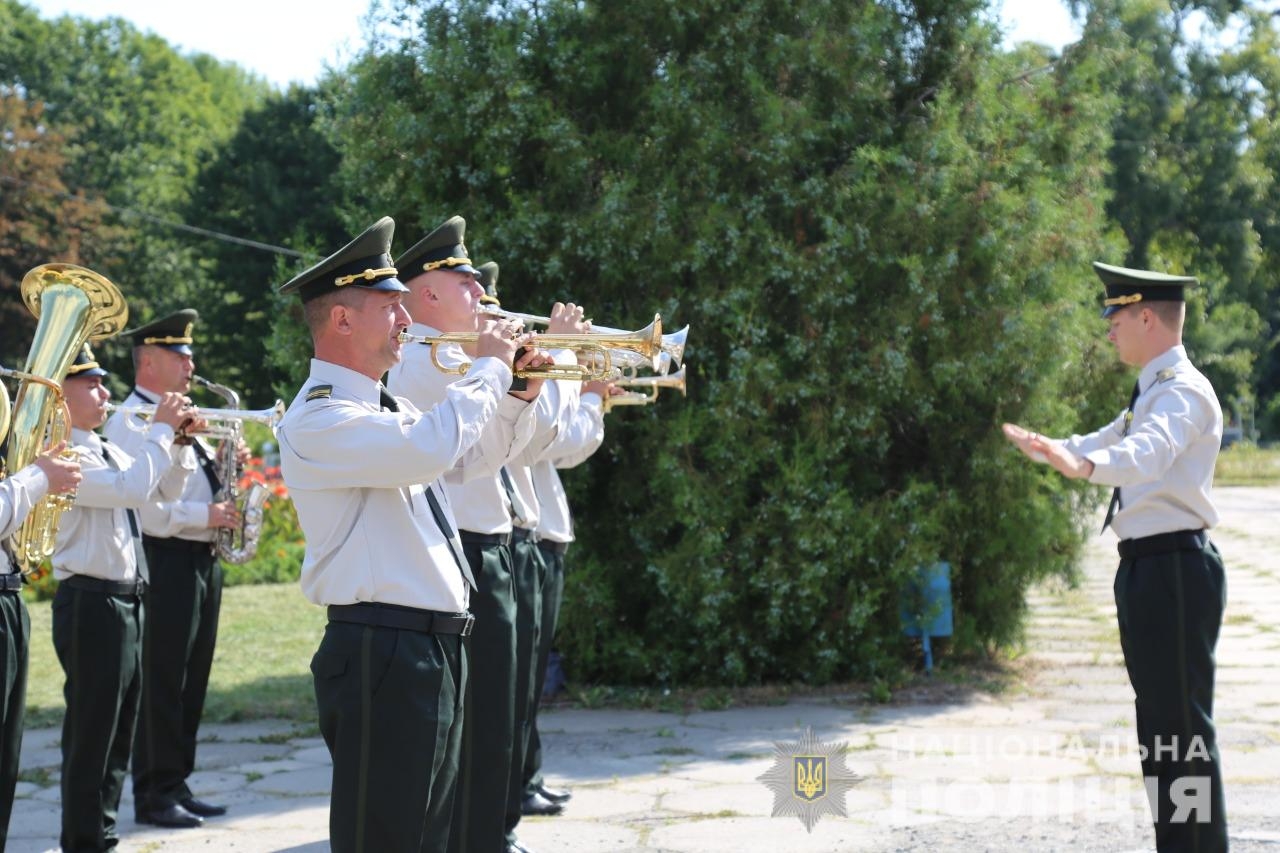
1042, 449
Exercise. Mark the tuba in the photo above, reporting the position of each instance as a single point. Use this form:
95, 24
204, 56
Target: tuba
237, 546
73, 305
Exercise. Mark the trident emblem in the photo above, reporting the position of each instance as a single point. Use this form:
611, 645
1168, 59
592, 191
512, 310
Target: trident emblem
811, 776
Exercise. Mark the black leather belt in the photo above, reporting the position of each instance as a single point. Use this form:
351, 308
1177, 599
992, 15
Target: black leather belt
173, 543
11, 583
1162, 543
469, 538
523, 534
106, 587
554, 547
402, 618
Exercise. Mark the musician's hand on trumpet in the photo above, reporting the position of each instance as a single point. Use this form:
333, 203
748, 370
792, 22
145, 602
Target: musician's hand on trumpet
602, 388
175, 410
62, 473
506, 340
224, 514
498, 339
567, 319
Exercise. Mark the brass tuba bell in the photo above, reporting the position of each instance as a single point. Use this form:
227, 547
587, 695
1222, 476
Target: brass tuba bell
74, 305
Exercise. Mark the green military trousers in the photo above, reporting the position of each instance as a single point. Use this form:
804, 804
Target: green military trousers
529, 571
98, 638
390, 704
1169, 606
552, 596
15, 634
479, 809
183, 600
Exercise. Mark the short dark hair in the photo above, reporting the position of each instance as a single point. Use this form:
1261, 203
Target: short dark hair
316, 311
1171, 314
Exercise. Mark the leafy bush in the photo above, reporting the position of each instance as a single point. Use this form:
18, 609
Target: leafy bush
879, 228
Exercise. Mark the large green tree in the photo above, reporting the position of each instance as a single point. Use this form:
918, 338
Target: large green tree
1191, 187
139, 117
878, 226
40, 220
273, 183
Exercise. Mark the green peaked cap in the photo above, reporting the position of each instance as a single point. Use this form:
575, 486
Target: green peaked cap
85, 364
1129, 286
365, 263
172, 331
443, 248
488, 274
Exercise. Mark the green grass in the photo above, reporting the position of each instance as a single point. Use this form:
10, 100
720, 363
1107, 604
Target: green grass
1247, 465
261, 669
268, 633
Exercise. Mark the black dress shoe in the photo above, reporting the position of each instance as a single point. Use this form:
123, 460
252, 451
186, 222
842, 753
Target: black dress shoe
538, 805
554, 795
172, 816
199, 807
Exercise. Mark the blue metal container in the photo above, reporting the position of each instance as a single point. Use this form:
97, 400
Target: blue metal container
926, 607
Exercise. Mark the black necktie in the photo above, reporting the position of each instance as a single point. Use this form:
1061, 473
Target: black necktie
1128, 419
510, 489
389, 403
140, 556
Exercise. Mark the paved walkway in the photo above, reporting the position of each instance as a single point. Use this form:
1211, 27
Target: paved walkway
1049, 765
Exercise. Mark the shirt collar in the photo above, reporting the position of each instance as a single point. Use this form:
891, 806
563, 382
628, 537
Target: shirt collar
423, 329
1168, 358
87, 438
352, 383
143, 391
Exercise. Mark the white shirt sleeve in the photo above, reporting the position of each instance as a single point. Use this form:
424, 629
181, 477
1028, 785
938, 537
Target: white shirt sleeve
18, 495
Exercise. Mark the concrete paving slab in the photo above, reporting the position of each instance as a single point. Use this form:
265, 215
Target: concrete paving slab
310, 781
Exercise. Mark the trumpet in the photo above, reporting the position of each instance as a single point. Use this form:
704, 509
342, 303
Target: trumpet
222, 422
649, 386
629, 398
675, 380
672, 344
599, 351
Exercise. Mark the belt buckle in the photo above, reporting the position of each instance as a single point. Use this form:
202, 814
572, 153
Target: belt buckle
466, 629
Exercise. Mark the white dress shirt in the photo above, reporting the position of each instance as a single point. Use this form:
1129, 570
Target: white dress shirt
18, 496
94, 536
356, 475
1164, 466
475, 489
546, 411
580, 432
188, 516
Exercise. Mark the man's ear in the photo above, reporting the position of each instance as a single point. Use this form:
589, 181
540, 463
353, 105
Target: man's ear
340, 318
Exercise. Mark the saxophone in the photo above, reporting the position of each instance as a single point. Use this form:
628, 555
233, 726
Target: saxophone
73, 305
235, 545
